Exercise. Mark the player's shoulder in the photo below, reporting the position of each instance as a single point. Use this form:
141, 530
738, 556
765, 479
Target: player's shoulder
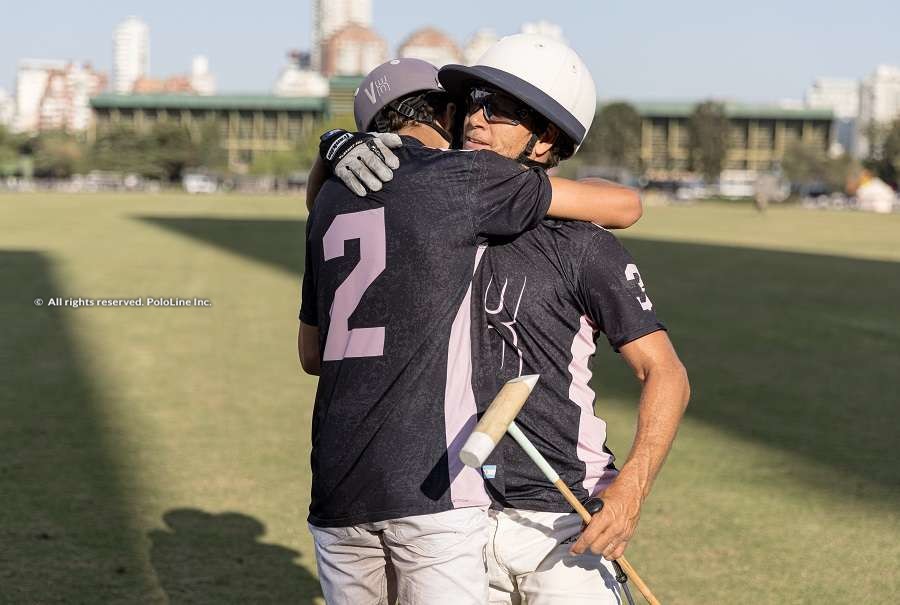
580, 234
596, 248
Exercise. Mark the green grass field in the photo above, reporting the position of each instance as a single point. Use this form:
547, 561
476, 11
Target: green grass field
159, 455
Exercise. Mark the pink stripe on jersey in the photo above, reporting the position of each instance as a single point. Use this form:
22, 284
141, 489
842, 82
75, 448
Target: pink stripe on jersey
460, 410
591, 430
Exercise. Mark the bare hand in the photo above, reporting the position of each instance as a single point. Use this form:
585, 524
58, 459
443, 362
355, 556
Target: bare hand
610, 530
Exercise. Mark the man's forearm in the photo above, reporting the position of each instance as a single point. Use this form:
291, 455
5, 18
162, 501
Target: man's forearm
664, 398
318, 174
603, 202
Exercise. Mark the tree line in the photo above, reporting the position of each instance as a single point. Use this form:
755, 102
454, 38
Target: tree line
615, 141
167, 150
163, 152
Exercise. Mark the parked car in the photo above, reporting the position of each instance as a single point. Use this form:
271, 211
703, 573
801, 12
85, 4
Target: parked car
737, 184
199, 183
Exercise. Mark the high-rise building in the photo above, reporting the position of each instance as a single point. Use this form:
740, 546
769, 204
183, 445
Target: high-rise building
329, 16
544, 28
55, 94
837, 94
482, 40
66, 100
131, 54
31, 82
353, 50
879, 102
7, 109
202, 81
841, 96
432, 45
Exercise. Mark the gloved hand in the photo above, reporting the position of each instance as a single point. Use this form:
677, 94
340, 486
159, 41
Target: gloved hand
360, 159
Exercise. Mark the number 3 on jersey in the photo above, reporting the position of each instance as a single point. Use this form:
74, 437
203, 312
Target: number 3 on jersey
368, 228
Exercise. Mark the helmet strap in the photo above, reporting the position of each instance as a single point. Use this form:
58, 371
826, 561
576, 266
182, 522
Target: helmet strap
413, 108
525, 156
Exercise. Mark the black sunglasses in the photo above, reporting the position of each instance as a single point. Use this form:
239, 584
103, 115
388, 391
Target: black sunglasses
499, 108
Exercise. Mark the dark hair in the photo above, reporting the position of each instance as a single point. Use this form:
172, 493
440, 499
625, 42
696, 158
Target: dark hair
562, 149
434, 105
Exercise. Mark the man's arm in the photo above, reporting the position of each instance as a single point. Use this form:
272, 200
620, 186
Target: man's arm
308, 348
506, 199
664, 397
598, 201
318, 174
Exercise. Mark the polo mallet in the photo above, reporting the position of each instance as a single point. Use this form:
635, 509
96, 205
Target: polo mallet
594, 506
499, 419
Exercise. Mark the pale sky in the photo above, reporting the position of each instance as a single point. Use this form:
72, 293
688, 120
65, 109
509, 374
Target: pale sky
763, 50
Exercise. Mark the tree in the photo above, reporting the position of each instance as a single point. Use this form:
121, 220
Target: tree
806, 165
10, 150
708, 129
615, 137
171, 150
280, 164
165, 152
308, 144
209, 151
884, 151
122, 149
57, 154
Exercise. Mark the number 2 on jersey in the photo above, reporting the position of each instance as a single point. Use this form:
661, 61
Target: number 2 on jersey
368, 227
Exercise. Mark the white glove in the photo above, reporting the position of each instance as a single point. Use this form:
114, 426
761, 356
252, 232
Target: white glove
366, 161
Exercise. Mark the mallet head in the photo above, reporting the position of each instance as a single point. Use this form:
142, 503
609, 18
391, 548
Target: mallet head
496, 420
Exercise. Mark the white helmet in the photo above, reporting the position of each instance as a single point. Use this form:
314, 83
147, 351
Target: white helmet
543, 73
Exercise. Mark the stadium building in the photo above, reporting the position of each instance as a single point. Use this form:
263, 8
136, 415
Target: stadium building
758, 134
248, 124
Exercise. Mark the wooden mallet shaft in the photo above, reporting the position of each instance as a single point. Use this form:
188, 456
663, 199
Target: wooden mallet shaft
499, 419
553, 477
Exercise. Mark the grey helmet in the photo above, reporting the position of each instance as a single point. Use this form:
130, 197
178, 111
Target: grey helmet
390, 83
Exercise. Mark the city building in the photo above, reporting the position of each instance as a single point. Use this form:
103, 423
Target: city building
841, 96
298, 80
202, 81
758, 135
879, 103
131, 54
544, 28
248, 124
353, 50
432, 45
65, 103
31, 83
7, 109
480, 41
154, 86
329, 16
54, 94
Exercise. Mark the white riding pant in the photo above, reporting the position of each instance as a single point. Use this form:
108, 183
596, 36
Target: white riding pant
529, 562
420, 560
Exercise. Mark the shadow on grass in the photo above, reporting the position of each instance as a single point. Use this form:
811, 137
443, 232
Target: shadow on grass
280, 243
65, 525
206, 558
797, 351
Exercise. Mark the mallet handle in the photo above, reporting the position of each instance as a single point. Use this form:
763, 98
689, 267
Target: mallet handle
586, 517
516, 433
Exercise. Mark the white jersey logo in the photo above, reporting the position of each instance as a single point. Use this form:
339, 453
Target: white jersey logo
509, 325
631, 272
